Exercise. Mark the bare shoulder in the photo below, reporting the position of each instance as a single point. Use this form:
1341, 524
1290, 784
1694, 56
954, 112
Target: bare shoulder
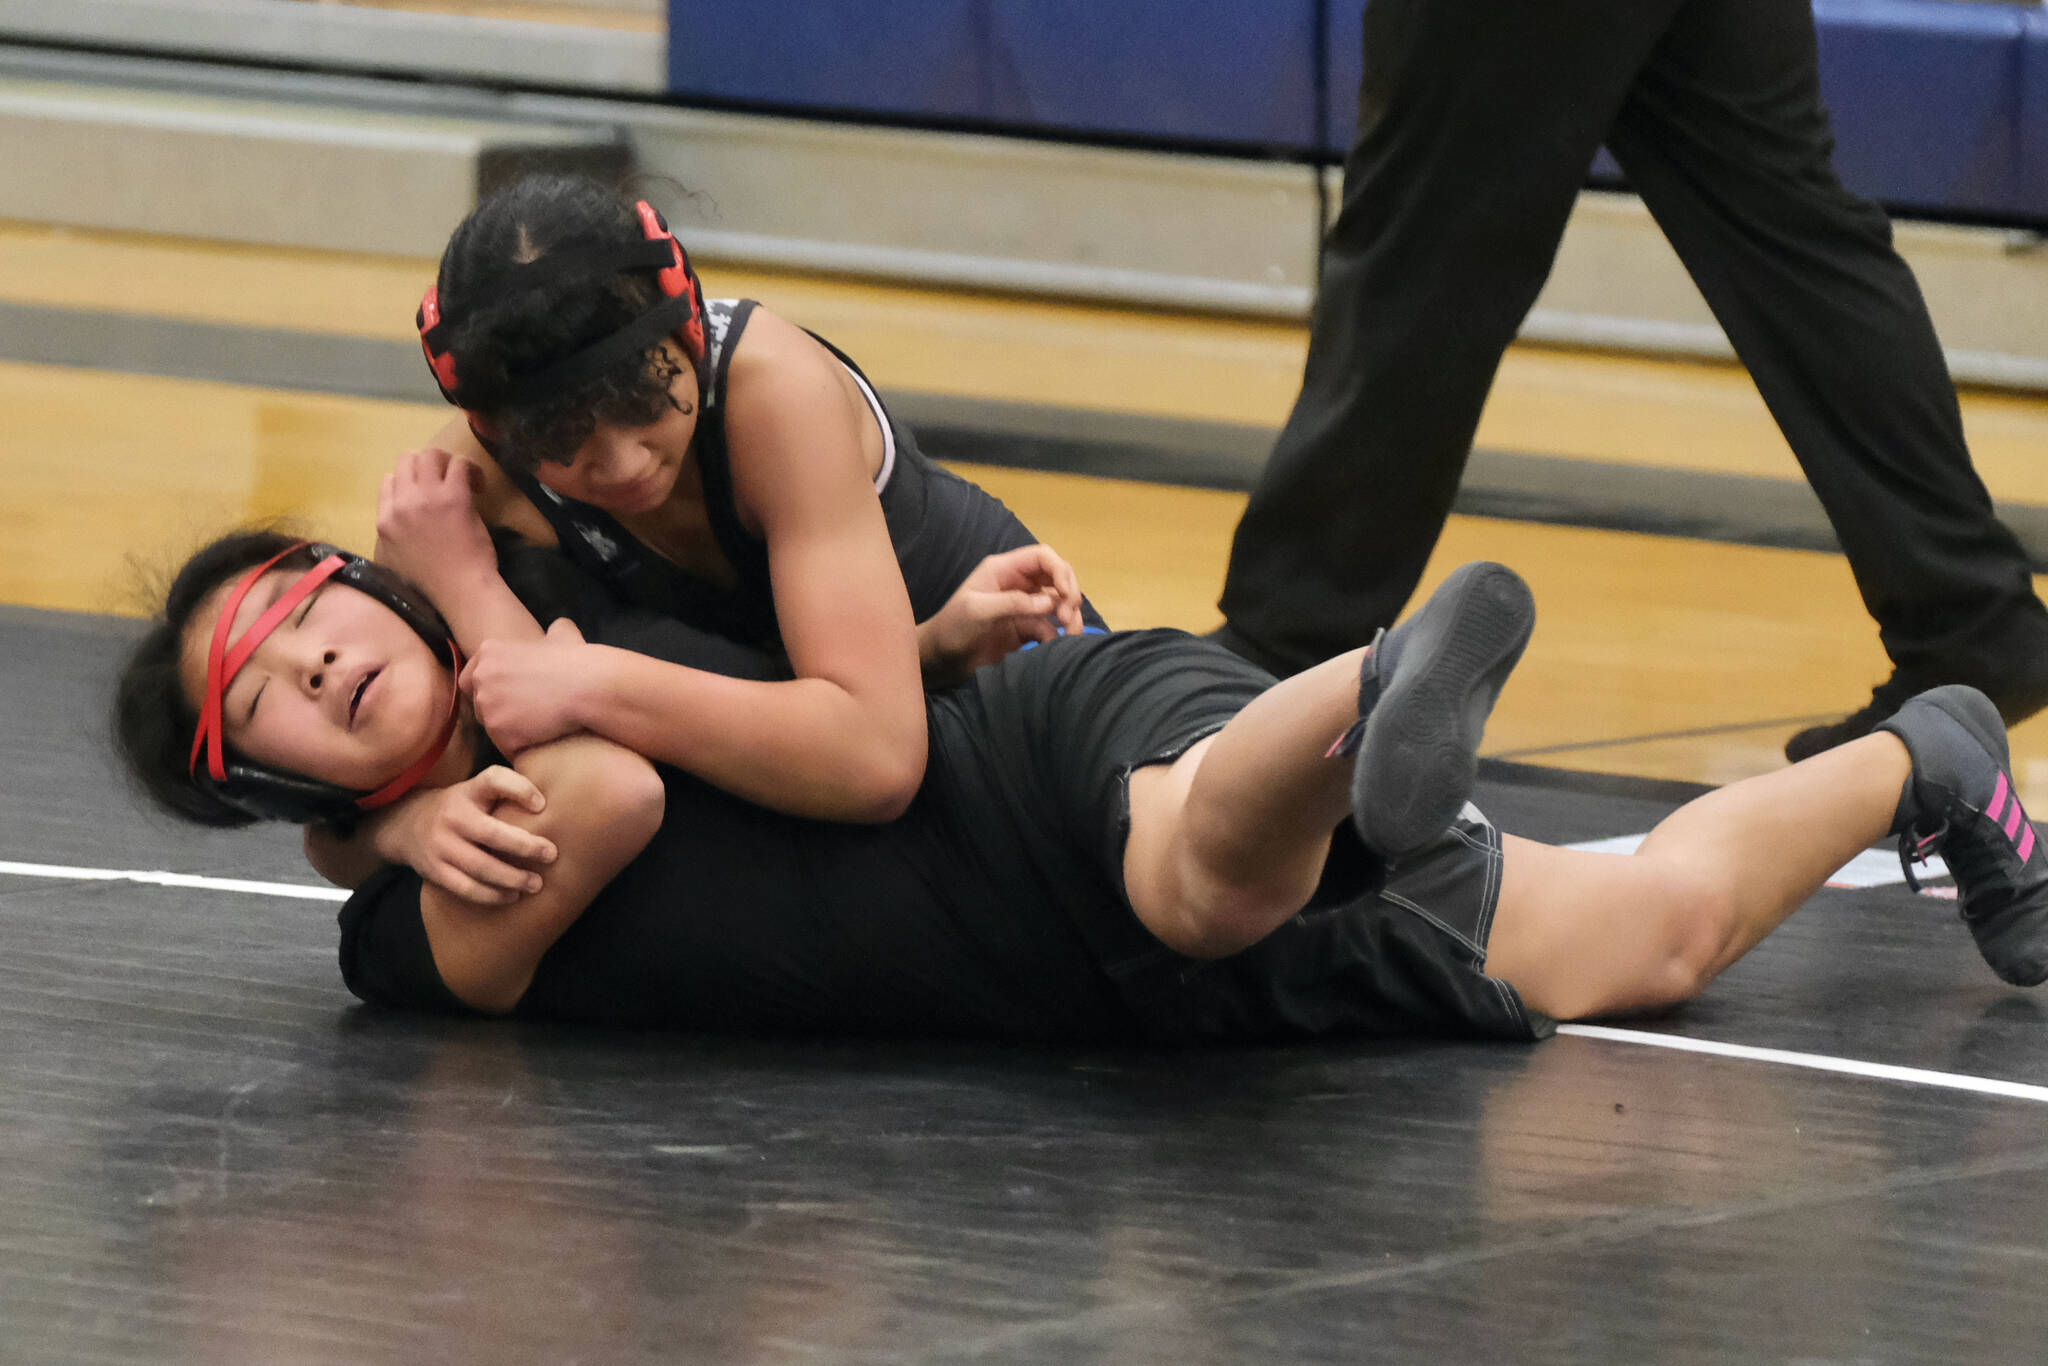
775, 361
766, 332
790, 404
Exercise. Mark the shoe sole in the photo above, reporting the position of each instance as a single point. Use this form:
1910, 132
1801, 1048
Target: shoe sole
1419, 756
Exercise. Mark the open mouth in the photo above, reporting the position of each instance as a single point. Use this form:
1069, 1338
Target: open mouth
356, 699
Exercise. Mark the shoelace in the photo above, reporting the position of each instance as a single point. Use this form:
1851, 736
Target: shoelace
1965, 862
1912, 851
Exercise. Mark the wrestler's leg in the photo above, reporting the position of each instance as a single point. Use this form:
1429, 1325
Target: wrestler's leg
1581, 934
1230, 841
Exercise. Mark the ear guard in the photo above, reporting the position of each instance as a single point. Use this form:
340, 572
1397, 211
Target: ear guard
677, 280
681, 312
269, 793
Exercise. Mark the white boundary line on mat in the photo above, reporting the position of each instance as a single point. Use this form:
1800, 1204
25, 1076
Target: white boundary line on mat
1620, 844
1817, 1061
1820, 1062
302, 890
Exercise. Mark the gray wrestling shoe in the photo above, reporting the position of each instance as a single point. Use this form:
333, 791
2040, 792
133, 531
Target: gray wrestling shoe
1424, 694
1960, 803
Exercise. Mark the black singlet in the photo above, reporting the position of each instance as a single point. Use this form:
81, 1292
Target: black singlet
942, 526
992, 908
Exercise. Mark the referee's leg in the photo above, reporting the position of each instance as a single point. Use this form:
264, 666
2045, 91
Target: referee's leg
1477, 122
1727, 140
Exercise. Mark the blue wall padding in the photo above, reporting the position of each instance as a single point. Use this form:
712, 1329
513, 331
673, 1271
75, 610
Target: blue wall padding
1929, 105
1926, 99
1344, 23
1937, 106
888, 57
1198, 70
1216, 71
2032, 192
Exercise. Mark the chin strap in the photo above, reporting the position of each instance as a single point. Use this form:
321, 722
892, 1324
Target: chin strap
420, 767
224, 662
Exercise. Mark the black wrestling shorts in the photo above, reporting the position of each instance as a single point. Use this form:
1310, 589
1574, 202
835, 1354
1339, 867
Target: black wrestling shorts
1408, 959
1376, 952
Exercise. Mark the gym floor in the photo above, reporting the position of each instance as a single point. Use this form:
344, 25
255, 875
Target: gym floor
214, 1155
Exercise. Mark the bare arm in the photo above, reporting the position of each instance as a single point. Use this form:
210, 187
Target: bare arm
855, 713
498, 500
343, 862
1009, 600
604, 803
454, 837
845, 739
429, 530
746, 736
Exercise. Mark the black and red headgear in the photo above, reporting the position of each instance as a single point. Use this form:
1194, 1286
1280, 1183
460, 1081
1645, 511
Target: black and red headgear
680, 313
270, 793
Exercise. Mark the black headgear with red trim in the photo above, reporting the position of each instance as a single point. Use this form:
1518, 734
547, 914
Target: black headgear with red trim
680, 313
270, 793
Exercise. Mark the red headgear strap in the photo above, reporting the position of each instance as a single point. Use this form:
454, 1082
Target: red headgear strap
411, 774
428, 319
677, 279
223, 663
221, 666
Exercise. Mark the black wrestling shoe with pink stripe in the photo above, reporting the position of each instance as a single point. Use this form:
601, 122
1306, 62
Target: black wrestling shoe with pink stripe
1424, 693
1960, 803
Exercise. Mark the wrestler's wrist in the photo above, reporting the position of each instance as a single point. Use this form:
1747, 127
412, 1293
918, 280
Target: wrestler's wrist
599, 691
930, 652
393, 833
467, 581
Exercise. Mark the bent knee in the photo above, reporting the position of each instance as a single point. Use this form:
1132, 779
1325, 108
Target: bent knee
1198, 909
1699, 923
1210, 917
1665, 955
1215, 921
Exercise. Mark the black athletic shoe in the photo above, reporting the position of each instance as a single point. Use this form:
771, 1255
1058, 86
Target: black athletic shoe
1885, 699
2015, 704
1424, 694
1960, 803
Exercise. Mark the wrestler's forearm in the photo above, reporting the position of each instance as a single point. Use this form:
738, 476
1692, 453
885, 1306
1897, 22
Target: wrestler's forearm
347, 861
343, 862
798, 746
480, 607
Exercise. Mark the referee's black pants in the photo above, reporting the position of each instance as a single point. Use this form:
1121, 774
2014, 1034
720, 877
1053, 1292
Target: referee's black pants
1477, 121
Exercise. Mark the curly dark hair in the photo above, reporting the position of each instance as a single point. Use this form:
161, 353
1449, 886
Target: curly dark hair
497, 336
153, 722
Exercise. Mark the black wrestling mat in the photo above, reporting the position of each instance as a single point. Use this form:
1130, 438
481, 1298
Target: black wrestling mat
208, 1154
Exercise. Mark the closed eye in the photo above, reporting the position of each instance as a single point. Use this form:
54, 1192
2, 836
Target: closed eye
298, 620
